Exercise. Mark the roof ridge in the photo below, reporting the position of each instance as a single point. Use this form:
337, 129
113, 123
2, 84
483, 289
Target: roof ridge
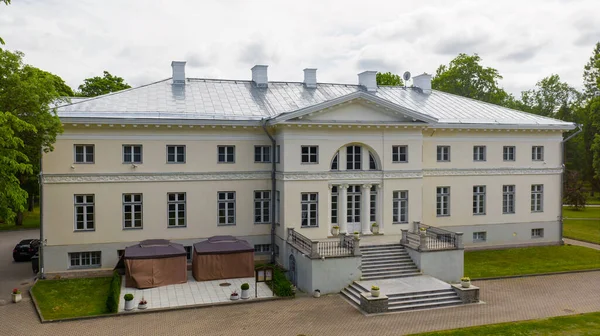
249, 81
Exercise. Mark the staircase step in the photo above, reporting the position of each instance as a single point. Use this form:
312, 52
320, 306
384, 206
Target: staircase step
381, 254
416, 300
418, 306
355, 289
395, 272
351, 297
421, 293
387, 267
385, 257
385, 249
381, 246
379, 277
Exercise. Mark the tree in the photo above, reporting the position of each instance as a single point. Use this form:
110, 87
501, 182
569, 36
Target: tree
574, 194
389, 78
464, 76
6, 2
551, 98
591, 115
96, 86
591, 73
593, 110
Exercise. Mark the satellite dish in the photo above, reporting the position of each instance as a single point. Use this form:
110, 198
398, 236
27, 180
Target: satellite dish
406, 75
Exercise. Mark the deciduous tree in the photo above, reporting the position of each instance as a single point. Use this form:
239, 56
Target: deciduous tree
97, 86
388, 78
551, 98
574, 194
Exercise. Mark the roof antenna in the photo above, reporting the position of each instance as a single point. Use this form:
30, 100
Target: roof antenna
406, 77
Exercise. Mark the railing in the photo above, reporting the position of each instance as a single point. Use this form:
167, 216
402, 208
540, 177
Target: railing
299, 241
343, 247
431, 238
334, 248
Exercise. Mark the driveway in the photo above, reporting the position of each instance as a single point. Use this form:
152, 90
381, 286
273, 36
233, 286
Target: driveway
14, 274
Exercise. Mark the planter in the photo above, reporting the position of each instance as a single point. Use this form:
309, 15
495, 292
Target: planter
375, 229
423, 233
356, 236
234, 297
317, 293
129, 305
465, 284
17, 297
142, 306
335, 231
245, 294
375, 293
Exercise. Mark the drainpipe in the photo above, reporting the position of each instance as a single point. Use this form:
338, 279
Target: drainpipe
563, 156
42, 240
273, 187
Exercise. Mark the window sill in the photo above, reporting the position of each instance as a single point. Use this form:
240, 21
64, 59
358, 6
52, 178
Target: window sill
479, 214
130, 163
442, 215
265, 223
83, 163
479, 241
309, 227
84, 230
226, 224
176, 226
394, 223
399, 161
175, 163
84, 267
132, 228
225, 162
538, 211
309, 163
508, 213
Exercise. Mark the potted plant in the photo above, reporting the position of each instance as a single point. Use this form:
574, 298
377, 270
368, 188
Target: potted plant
423, 231
356, 235
465, 282
128, 301
16, 295
245, 291
335, 230
234, 296
375, 291
317, 293
375, 228
143, 303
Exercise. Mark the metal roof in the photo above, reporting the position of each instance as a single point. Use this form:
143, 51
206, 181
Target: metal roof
231, 100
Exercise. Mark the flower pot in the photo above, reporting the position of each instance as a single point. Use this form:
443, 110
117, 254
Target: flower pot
465, 284
357, 236
17, 297
245, 294
375, 293
317, 293
142, 306
129, 305
335, 231
375, 229
423, 233
234, 297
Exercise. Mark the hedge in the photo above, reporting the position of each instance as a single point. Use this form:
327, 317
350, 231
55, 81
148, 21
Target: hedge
283, 287
112, 301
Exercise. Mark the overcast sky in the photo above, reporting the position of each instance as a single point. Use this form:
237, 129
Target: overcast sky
525, 40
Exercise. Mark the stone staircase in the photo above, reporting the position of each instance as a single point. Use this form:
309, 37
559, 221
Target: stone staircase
385, 262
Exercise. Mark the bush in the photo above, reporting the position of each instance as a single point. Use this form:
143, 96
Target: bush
245, 286
112, 301
128, 297
281, 286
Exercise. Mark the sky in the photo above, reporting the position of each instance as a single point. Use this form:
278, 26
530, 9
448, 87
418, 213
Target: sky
525, 40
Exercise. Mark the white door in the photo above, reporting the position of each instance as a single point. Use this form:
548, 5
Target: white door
353, 213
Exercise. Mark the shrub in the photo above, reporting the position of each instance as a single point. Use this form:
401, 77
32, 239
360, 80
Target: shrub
128, 297
112, 301
465, 279
245, 286
281, 286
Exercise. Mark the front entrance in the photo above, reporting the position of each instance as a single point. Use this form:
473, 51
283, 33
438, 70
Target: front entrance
353, 213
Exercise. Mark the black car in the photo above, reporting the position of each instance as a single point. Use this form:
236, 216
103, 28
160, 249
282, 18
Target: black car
26, 249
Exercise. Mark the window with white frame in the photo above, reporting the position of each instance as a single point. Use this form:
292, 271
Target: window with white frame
373, 204
132, 211
262, 154
400, 206
353, 158
309, 208
508, 199
537, 233
84, 153
443, 153
372, 162
479, 153
226, 207
262, 248
334, 204
85, 259
334, 162
537, 198
132, 153
479, 200
226, 154
400, 154
277, 207
479, 237
175, 154
508, 153
443, 201
309, 154
262, 207
537, 153
176, 208
84, 212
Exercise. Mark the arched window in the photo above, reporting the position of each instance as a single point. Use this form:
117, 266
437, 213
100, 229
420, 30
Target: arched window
334, 162
372, 162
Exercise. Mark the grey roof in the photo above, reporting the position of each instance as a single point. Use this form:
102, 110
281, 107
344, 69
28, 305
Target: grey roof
231, 100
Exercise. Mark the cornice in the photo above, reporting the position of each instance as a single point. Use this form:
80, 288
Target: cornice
492, 171
154, 177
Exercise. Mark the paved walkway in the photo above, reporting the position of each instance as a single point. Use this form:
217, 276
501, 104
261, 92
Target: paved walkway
581, 243
506, 300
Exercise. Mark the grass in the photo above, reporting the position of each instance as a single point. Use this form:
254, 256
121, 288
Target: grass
593, 200
59, 299
583, 324
586, 230
530, 260
588, 212
31, 220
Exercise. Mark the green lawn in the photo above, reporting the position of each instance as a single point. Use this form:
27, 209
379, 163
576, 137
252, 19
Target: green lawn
58, 299
529, 260
584, 324
588, 212
586, 230
30, 221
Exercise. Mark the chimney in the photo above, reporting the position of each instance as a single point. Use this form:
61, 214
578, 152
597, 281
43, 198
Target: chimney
259, 75
423, 82
178, 72
368, 80
310, 77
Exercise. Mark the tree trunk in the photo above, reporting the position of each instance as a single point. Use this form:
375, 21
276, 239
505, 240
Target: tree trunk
19, 219
31, 202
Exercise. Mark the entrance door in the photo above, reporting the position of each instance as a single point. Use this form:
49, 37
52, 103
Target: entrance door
353, 214
292, 270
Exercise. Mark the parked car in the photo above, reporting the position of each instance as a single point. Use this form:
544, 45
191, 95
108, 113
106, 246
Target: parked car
26, 249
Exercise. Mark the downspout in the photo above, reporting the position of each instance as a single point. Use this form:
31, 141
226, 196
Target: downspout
563, 156
273, 187
42, 240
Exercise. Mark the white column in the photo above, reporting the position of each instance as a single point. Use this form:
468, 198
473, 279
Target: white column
365, 214
342, 207
364, 152
379, 207
342, 158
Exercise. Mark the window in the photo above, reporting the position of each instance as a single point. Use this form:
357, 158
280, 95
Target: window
443, 153
132, 211
84, 212
309, 207
84, 153
277, 153
176, 208
84, 259
334, 162
399, 154
262, 154
400, 206
537, 233
310, 154
478, 153
226, 154
277, 207
262, 207
443, 201
132, 153
479, 237
353, 158
508, 199
537, 198
479, 200
508, 153
372, 162
175, 154
537, 153
188, 253
353, 204
226, 207
373, 204
262, 248
334, 204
